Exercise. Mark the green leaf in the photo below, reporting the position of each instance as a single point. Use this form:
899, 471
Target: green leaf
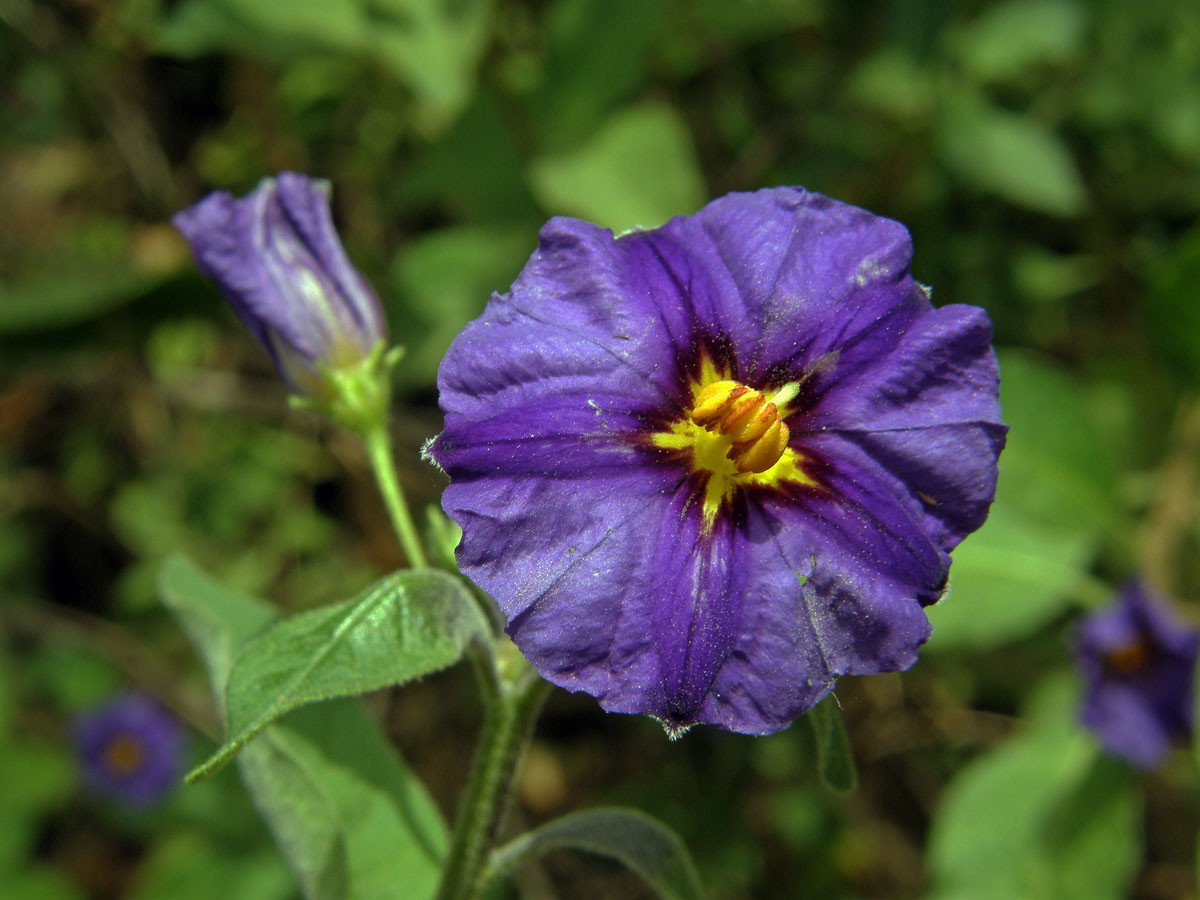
1171, 309
403, 627
1015, 157
351, 819
638, 169
1041, 817
217, 620
835, 757
349, 816
1009, 38
45, 302
639, 842
189, 867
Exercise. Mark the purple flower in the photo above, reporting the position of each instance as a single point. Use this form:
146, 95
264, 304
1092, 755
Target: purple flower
130, 749
708, 468
278, 259
1137, 662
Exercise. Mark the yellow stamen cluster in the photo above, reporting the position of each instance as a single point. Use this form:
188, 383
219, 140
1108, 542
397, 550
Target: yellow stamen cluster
748, 418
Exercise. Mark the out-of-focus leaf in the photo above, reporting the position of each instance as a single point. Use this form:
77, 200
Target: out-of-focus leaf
352, 820
1007, 581
405, 626
1013, 156
1053, 501
1009, 38
217, 620
54, 300
40, 883
599, 52
639, 169
447, 277
38, 776
893, 84
188, 867
835, 757
639, 842
432, 47
1041, 817
1171, 308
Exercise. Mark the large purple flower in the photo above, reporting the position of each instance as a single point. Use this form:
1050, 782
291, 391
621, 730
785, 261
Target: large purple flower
708, 468
278, 259
1137, 663
130, 749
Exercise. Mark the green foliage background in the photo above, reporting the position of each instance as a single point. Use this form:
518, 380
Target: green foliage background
1045, 155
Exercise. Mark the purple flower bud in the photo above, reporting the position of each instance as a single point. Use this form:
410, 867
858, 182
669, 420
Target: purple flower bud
130, 749
1137, 662
277, 257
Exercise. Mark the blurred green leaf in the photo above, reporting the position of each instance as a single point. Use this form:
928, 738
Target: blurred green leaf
598, 55
38, 777
892, 84
59, 300
1041, 817
407, 625
835, 757
1171, 308
1007, 581
638, 169
1014, 156
1009, 38
217, 620
447, 277
431, 46
40, 883
188, 867
637, 841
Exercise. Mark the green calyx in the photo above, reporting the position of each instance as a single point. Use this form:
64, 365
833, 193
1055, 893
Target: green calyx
355, 396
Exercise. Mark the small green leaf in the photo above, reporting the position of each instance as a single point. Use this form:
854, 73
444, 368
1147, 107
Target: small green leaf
1014, 156
407, 625
642, 844
639, 169
54, 301
350, 817
835, 758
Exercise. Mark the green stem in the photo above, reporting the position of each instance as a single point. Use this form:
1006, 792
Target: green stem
511, 704
379, 451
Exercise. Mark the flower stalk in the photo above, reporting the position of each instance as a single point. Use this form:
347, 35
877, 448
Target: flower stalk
512, 697
379, 452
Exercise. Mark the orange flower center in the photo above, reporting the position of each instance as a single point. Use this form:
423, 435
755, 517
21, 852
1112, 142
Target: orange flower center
1127, 658
123, 755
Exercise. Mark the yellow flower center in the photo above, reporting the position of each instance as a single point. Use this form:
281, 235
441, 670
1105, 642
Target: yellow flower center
749, 421
734, 436
123, 755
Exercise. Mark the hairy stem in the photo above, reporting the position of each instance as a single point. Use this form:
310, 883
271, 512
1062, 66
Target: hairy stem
511, 703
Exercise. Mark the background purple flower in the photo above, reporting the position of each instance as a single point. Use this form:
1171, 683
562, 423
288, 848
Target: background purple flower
130, 749
638, 560
279, 261
1137, 661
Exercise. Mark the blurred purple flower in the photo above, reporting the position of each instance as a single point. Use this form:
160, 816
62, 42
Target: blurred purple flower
708, 468
130, 749
1137, 661
279, 261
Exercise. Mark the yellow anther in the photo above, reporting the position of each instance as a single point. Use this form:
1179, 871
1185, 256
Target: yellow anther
748, 419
